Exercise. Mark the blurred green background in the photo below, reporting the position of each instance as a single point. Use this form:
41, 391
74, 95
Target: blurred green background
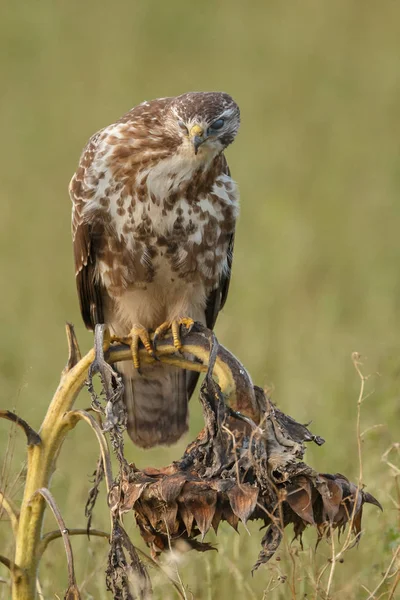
317, 260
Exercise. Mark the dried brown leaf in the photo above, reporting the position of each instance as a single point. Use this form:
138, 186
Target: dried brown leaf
298, 527
126, 576
270, 544
201, 502
171, 487
131, 494
187, 517
152, 510
162, 471
370, 499
229, 516
243, 500
114, 498
170, 513
357, 521
332, 495
299, 498
217, 517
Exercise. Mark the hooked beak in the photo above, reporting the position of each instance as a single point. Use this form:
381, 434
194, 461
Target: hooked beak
197, 137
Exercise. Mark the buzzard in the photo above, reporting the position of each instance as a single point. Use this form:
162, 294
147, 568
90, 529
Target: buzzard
153, 223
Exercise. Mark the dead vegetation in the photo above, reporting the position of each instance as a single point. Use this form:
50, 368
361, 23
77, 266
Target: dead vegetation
246, 464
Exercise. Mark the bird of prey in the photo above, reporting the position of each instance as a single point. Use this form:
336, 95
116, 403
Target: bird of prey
153, 223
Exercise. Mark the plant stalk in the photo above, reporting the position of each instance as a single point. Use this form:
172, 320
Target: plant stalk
43, 456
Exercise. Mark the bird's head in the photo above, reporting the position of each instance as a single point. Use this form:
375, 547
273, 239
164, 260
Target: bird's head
206, 122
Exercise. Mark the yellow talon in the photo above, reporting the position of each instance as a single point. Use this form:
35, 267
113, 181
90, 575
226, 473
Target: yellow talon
175, 330
139, 334
175, 327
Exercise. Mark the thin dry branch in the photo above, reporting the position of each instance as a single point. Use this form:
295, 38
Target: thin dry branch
358, 495
335, 557
6, 562
11, 510
396, 555
72, 591
72, 417
54, 535
74, 353
11, 566
33, 438
394, 586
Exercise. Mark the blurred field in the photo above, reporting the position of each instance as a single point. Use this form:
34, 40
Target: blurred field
317, 258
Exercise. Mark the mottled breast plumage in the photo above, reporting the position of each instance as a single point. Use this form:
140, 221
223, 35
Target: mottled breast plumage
157, 208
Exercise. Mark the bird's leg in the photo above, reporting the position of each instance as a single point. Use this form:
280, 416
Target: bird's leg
175, 327
102, 342
139, 334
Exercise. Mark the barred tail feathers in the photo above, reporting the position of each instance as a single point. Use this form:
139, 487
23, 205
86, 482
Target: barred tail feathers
157, 404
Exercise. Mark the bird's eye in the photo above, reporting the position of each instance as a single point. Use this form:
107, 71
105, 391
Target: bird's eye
218, 124
183, 126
